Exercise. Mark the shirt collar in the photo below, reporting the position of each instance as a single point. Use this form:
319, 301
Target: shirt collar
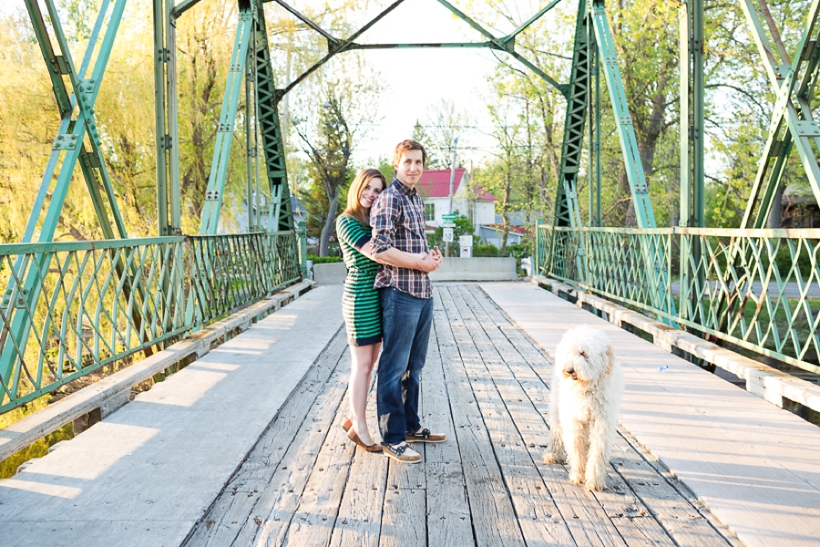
403, 188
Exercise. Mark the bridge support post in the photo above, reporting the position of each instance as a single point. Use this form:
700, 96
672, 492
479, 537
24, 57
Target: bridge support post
692, 172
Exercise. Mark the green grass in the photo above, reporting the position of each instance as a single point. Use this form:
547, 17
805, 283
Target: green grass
801, 325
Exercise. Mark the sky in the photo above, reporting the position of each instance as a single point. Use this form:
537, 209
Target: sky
418, 79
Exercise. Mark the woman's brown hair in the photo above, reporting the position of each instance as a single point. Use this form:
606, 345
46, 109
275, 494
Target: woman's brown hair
354, 194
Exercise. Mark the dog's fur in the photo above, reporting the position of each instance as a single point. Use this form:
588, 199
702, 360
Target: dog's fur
587, 383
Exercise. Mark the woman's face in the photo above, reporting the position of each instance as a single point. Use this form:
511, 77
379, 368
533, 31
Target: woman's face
370, 192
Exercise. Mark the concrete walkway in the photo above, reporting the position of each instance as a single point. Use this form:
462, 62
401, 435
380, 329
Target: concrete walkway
756, 466
148, 472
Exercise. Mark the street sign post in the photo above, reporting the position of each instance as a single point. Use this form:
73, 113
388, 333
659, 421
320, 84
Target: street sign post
466, 244
449, 220
448, 235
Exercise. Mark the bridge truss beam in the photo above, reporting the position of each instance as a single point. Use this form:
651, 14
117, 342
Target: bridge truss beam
793, 82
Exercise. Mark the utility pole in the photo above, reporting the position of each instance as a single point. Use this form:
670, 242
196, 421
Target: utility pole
452, 180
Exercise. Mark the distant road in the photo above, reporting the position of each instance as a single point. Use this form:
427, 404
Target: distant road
792, 289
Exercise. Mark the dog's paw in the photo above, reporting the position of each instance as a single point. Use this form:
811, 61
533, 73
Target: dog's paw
576, 478
550, 457
595, 486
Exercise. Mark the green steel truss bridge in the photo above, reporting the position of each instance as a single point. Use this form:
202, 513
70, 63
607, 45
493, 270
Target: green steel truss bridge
70, 308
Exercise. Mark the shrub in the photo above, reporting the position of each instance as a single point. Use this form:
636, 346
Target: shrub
323, 259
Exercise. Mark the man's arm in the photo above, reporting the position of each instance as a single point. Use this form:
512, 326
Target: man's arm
383, 218
425, 262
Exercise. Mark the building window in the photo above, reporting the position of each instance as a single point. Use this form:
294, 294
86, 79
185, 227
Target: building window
430, 212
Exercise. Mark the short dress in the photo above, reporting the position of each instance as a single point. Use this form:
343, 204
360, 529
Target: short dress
360, 301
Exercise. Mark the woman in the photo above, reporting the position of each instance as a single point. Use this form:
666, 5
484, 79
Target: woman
360, 301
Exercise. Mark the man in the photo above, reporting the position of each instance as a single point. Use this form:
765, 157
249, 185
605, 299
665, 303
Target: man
406, 296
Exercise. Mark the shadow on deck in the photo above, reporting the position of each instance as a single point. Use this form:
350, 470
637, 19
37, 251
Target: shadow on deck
486, 386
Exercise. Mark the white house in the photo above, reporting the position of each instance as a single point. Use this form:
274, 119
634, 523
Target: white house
493, 233
470, 200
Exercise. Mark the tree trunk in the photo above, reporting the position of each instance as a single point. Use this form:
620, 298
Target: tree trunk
777, 206
324, 239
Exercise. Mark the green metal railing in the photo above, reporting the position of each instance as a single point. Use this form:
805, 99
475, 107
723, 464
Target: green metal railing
102, 301
756, 289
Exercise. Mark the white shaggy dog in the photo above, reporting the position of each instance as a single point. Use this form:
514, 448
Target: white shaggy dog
587, 383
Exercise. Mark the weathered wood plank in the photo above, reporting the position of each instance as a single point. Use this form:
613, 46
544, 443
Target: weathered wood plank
587, 522
644, 486
403, 520
493, 515
677, 515
231, 510
271, 517
643, 532
448, 512
313, 522
360, 513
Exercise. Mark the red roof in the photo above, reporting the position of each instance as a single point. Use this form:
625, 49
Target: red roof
435, 183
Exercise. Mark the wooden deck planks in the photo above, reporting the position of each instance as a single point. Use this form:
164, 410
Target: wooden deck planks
485, 386
360, 514
673, 511
233, 508
449, 520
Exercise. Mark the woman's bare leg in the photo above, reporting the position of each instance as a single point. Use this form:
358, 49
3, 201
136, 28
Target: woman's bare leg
362, 360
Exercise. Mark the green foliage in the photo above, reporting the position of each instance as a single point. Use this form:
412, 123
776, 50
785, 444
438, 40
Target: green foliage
463, 226
38, 449
324, 259
484, 249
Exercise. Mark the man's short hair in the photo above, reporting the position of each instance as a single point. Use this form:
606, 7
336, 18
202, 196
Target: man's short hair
404, 146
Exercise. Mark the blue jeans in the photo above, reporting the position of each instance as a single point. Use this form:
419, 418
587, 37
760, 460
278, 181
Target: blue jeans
406, 322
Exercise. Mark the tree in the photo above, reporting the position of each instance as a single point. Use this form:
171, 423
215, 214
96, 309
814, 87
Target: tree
329, 153
443, 123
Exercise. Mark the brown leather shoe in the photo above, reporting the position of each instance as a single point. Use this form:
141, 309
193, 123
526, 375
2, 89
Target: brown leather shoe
372, 448
424, 436
347, 424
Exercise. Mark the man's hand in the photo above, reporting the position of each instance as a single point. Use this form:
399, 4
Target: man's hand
429, 262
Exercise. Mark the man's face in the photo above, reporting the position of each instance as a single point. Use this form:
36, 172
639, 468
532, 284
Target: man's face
410, 167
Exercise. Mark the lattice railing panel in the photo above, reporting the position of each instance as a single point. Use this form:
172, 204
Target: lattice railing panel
758, 289
71, 308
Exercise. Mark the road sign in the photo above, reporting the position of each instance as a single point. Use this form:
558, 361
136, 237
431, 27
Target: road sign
466, 252
449, 220
448, 235
465, 241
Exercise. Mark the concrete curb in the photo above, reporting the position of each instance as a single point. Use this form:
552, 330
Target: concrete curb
764, 381
111, 393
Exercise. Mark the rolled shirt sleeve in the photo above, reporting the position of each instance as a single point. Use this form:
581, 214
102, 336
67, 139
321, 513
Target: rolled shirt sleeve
384, 216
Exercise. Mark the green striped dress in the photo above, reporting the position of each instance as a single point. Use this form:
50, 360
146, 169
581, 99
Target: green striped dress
360, 301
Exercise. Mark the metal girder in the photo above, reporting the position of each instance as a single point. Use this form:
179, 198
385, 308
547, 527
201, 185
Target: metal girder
227, 120
71, 134
792, 123
692, 131
505, 43
69, 146
280, 214
169, 213
567, 209
692, 164
638, 187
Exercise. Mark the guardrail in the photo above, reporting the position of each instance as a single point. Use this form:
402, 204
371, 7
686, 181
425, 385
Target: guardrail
71, 308
757, 289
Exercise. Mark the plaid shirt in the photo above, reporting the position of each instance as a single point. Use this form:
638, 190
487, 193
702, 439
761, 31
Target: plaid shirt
397, 218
